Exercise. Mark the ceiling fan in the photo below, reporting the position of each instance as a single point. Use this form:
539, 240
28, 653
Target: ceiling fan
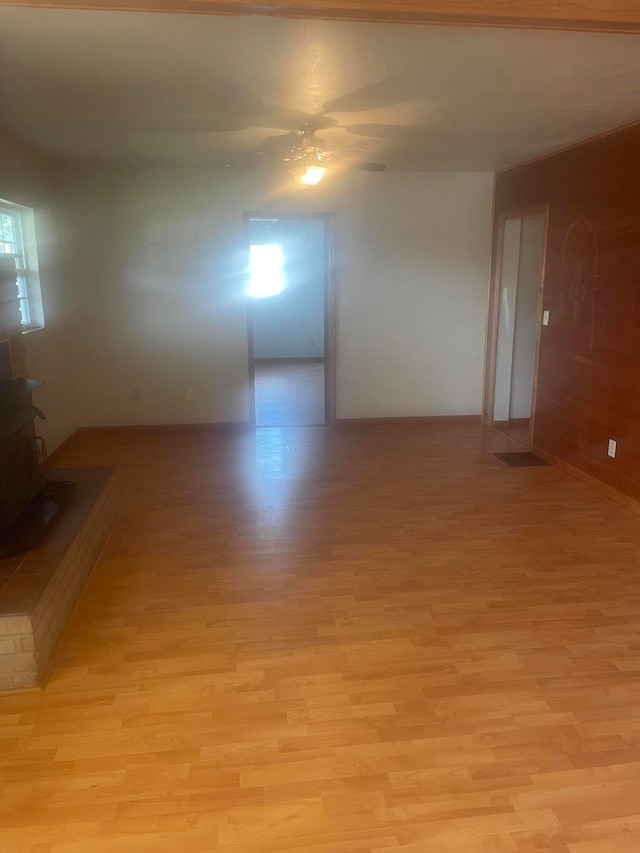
310, 158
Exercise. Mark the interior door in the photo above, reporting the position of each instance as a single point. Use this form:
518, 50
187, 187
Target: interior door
519, 294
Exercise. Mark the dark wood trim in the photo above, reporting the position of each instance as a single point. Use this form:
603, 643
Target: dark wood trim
410, 420
594, 15
491, 337
536, 369
525, 212
486, 349
251, 373
493, 312
564, 148
330, 312
330, 320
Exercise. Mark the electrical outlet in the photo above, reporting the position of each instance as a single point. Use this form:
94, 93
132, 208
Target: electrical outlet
612, 448
190, 394
545, 318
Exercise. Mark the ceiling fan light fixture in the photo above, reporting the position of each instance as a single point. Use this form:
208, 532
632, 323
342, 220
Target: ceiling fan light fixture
308, 176
309, 170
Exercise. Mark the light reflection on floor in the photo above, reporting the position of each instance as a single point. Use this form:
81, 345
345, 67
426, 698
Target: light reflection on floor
289, 393
274, 473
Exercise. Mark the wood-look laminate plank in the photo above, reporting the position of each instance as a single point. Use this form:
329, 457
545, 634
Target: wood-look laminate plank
329, 640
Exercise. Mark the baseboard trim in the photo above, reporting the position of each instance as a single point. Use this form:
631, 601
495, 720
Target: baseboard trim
604, 489
195, 427
512, 422
422, 420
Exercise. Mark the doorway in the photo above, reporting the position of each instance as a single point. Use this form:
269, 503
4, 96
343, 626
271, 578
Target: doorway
291, 319
517, 320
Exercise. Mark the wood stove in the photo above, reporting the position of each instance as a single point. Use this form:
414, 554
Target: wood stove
20, 479
22, 519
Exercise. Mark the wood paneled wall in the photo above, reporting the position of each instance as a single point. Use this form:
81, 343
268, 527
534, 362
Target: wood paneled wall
603, 15
589, 371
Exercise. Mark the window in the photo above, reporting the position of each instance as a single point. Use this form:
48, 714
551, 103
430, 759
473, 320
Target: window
18, 240
266, 275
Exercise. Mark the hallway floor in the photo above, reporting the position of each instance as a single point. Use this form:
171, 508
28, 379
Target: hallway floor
289, 392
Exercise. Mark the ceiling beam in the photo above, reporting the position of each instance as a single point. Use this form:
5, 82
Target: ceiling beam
598, 15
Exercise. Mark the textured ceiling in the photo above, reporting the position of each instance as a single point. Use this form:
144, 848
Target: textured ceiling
185, 90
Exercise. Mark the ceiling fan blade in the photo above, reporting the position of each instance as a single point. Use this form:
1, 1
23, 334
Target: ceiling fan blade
292, 120
346, 153
389, 131
384, 93
317, 121
368, 166
278, 145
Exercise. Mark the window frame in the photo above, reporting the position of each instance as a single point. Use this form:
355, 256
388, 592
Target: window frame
27, 269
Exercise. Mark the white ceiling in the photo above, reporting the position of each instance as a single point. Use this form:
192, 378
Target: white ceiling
181, 89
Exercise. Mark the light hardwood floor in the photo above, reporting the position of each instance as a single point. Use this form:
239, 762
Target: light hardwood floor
338, 641
289, 392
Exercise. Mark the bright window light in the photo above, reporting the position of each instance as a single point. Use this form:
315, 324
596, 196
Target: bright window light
266, 276
18, 246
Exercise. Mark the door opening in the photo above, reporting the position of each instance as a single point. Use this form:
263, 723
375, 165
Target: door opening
290, 319
517, 321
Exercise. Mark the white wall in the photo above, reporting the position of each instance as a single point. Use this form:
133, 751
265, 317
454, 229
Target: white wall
291, 324
26, 178
159, 274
